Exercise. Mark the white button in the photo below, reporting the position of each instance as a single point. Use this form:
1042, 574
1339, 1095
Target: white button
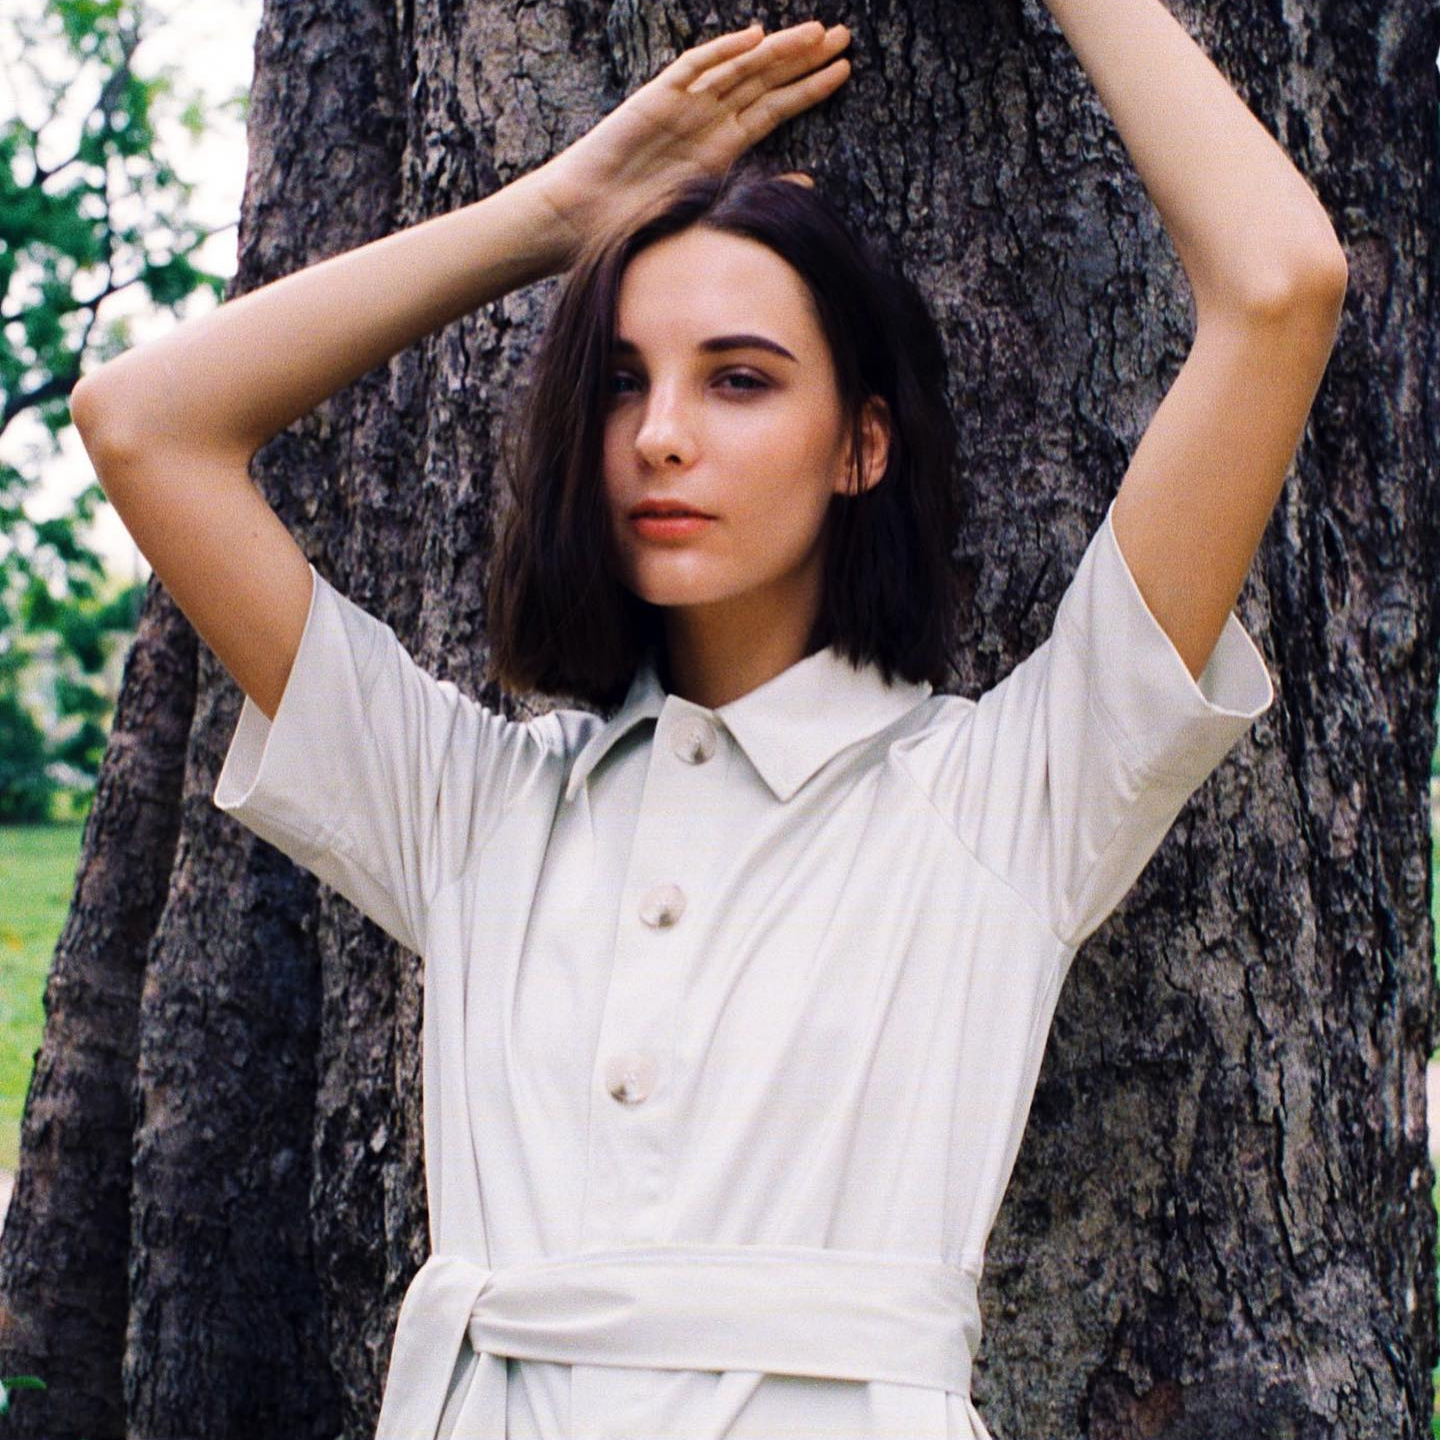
693, 739
630, 1076
662, 906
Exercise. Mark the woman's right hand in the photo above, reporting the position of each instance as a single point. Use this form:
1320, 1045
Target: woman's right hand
696, 117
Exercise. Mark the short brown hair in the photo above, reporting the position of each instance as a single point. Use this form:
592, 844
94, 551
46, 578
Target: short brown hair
560, 620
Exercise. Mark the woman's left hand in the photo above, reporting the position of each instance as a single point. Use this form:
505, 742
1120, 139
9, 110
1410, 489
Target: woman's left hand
696, 117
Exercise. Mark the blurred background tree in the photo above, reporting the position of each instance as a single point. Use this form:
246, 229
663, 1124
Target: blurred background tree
82, 218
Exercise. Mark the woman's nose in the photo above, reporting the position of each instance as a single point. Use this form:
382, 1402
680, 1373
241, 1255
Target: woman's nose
666, 434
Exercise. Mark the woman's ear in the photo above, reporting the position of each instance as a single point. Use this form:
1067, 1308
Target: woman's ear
875, 437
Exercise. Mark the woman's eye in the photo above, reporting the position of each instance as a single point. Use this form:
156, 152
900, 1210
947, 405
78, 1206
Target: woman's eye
622, 383
747, 382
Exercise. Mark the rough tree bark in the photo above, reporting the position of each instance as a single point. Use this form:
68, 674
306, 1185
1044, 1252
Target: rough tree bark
63, 1254
220, 1198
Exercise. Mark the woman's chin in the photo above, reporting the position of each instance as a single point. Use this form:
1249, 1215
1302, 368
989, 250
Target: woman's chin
675, 590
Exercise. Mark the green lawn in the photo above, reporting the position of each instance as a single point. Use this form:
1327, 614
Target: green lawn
37, 879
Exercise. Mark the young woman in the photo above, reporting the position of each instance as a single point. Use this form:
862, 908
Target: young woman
735, 999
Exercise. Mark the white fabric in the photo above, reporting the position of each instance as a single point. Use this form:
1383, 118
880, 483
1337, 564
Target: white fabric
873, 895
909, 1322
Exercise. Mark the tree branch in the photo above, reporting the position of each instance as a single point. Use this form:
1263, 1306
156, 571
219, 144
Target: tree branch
51, 389
200, 239
104, 104
62, 385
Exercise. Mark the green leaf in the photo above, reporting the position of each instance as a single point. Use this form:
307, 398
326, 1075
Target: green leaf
112, 212
170, 281
193, 118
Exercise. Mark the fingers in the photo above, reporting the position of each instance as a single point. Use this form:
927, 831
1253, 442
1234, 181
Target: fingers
814, 60
696, 61
781, 57
739, 79
776, 106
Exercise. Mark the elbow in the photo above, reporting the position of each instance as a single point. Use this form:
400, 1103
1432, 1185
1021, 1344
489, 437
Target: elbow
1330, 271
100, 421
1328, 280
116, 425
85, 408
1313, 284
1317, 300
128, 416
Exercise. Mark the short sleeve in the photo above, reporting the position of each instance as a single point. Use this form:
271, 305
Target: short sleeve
374, 775
1064, 778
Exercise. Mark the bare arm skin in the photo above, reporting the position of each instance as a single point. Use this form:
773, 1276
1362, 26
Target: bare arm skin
1268, 277
171, 426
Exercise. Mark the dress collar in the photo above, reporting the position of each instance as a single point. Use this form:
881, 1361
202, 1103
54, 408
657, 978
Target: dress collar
788, 727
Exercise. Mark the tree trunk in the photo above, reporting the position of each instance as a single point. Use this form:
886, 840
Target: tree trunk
66, 1243
1244, 1041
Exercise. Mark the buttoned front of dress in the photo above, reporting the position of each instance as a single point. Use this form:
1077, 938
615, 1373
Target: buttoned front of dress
753, 996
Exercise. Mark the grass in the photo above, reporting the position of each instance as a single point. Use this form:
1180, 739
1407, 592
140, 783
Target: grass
37, 879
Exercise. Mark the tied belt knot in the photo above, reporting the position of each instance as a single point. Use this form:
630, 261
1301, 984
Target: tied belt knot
775, 1309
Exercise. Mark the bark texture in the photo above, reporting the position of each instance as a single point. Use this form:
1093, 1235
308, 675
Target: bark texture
228, 1327
65, 1247
1244, 1041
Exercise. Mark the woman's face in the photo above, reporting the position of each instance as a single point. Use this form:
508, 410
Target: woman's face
722, 396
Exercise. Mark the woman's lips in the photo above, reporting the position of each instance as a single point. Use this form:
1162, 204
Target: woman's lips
670, 527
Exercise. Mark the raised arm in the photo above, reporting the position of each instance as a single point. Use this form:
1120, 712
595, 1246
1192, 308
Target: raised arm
1268, 277
171, 426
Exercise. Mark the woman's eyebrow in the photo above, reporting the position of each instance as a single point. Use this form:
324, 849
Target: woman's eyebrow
718, 342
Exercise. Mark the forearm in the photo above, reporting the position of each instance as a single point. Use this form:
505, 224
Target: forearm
229, 380
1245, 223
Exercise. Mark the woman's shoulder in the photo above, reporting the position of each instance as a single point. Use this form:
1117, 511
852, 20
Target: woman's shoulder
939, 709
923, 738
567, 730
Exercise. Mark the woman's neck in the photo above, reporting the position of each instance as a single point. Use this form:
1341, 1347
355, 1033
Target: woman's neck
711, 665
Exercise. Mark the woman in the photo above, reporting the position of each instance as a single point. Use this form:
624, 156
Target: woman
735, 1000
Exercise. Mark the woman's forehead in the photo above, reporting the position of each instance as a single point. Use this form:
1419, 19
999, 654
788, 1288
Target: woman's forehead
702, 283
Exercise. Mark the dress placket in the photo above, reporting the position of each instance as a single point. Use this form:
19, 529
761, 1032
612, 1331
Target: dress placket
634, 1087
633, 1095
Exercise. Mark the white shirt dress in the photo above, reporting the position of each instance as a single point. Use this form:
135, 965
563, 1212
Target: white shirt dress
733, 1016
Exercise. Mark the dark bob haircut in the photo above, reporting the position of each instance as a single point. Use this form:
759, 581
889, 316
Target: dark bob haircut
561, 622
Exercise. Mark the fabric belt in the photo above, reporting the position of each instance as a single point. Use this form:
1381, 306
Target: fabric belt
776, 1309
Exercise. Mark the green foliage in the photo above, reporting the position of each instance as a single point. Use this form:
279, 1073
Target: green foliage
26, 787
39, 867
17, 1382
56, 660
110, 214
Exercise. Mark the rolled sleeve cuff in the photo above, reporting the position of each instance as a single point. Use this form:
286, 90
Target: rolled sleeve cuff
1164, 720
283, 778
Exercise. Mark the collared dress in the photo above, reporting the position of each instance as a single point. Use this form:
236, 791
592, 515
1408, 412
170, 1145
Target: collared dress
733, 1016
